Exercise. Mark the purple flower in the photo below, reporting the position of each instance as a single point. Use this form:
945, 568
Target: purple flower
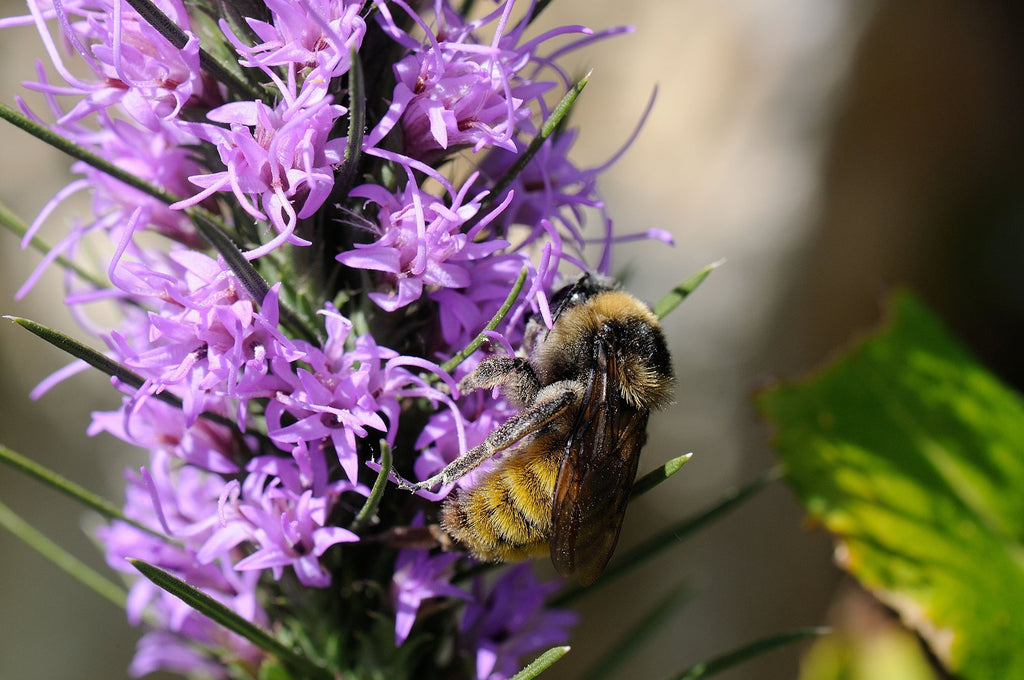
134, 66
160, 650
181, 501
419, 576
206, 337
281, 156
550, 187
253, 484
421, 241
552, 190
315, 35
333, 401
507, 622
454, 91
157, 426
288, 525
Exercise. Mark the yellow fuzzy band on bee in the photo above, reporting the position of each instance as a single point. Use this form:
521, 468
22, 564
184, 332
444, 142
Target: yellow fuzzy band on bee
507, 517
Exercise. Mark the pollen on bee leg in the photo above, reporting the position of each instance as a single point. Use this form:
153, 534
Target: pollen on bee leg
514, 375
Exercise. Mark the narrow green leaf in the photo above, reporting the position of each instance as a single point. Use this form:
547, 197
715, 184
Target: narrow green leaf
105, 365
75, 151
16, 226
214, 233
658, 475
541, 663
217, 612
69, 488
208, 225
756, 648
675, 297
366, 513
502, 312
222, 73
910, 453
87, 354
70, 564
668, 538
641, 632
546, 130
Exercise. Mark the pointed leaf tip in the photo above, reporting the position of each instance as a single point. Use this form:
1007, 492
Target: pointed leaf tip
541, 663
676, 296
659, 475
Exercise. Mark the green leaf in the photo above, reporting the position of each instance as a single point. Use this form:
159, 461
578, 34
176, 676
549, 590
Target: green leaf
912, 455
541, 663
105, 365
70, 564
206, 605
676, 296
69, 488
723, 662
649, 624
659, 475
17, 227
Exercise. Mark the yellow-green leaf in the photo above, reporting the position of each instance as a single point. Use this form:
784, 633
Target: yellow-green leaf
912, 455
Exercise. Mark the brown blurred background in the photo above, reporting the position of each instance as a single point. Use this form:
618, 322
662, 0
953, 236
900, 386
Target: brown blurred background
828, 150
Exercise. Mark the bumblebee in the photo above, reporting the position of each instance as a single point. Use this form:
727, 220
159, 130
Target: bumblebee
585, 389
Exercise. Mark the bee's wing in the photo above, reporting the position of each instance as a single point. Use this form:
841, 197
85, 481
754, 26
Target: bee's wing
596, 475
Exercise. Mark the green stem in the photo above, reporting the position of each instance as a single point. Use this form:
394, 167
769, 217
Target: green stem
377, 492
502, 312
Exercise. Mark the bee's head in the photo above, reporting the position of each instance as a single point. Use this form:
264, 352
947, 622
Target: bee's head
567, 297
578, 292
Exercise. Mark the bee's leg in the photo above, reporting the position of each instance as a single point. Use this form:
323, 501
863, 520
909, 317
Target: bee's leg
514, 375
551, 402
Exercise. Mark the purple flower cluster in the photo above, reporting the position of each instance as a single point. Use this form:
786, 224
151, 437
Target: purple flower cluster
259, 413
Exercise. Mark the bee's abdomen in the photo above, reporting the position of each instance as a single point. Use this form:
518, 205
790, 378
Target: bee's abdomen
507, 516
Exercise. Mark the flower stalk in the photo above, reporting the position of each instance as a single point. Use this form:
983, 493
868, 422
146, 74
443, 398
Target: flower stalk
322, 215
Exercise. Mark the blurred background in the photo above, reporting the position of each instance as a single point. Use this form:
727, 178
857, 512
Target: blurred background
829, 150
